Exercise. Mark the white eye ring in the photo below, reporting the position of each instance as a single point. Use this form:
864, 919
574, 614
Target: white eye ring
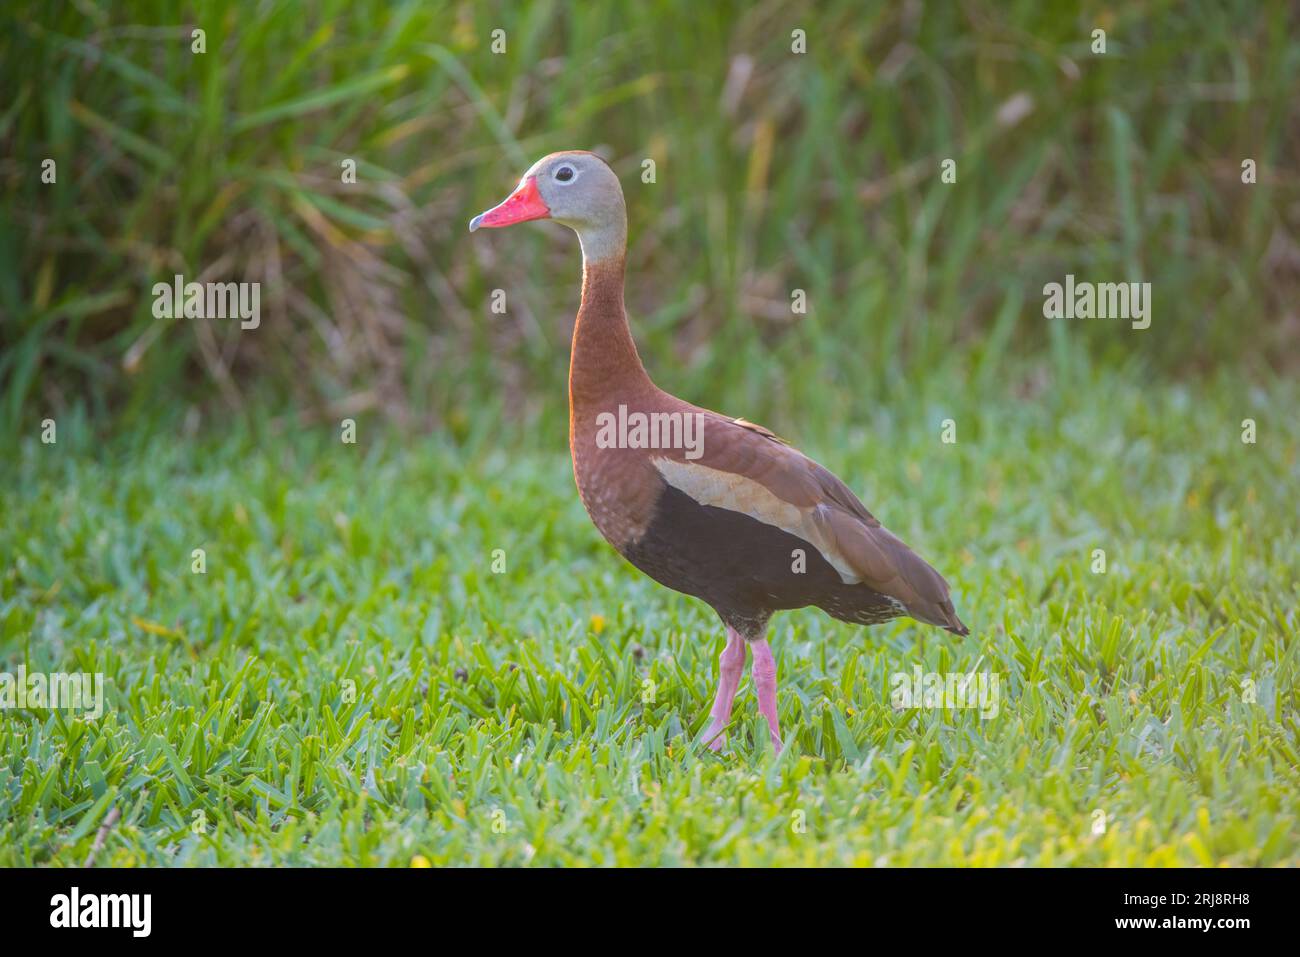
573, 175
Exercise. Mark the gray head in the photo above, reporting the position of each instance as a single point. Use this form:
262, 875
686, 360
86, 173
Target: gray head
575, 188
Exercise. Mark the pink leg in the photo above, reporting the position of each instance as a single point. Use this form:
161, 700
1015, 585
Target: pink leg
765, 688
730, 666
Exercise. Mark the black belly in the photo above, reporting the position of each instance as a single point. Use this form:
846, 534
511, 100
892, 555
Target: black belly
744, 568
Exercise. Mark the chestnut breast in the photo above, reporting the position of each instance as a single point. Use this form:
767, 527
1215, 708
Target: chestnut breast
619, 485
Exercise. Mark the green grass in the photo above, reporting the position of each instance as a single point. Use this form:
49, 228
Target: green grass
561, 697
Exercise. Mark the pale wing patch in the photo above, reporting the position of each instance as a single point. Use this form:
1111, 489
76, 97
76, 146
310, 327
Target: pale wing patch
740, 494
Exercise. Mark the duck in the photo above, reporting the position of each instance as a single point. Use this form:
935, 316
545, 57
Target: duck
711, 506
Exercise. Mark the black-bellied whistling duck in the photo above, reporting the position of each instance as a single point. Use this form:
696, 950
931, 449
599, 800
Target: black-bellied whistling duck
714, 507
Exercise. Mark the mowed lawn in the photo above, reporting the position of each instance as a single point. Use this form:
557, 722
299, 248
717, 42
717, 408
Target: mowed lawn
352, 682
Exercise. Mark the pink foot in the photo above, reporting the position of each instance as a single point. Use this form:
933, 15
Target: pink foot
765, 688
731, 664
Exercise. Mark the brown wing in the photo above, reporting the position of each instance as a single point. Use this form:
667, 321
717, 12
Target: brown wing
761, 430
755, 472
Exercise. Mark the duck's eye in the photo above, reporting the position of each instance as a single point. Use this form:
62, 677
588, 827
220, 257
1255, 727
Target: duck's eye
564, 174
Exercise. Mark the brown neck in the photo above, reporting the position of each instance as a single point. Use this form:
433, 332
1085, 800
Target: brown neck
603, 363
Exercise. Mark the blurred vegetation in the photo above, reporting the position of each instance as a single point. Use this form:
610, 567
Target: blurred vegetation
774, 171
